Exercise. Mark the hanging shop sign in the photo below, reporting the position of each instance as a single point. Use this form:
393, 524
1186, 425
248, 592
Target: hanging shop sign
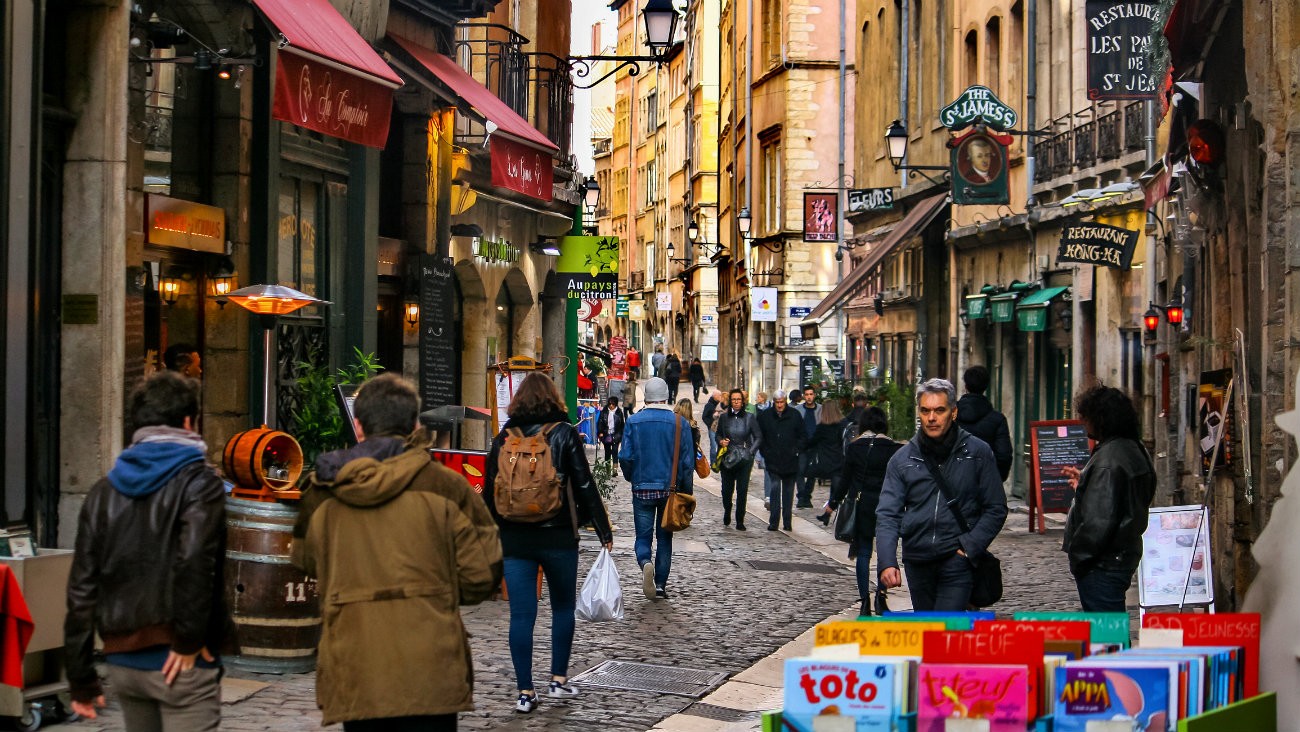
620, 307
977, 104
763, 301
1107, 246
437, 348
522, 169
636, 310
1119, 39
871, 199
664, 301
588, 267
978, 162
322, 98
496, 250
819, 220
171, 222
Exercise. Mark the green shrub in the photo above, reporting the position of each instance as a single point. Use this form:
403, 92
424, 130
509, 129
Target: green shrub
317, 422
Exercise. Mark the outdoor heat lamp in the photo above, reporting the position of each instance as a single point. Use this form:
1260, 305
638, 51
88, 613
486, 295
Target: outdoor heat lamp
269, 301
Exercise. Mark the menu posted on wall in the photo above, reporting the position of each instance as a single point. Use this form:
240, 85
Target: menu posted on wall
437, 328
808, 365
1055, 445
1119, 35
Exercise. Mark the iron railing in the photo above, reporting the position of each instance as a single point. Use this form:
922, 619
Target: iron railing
1079, 145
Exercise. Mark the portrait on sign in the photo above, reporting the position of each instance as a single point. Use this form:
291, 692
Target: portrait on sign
819, 222
978, 161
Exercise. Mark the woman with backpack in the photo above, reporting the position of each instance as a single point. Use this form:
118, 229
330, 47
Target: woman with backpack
538, 513
862, 476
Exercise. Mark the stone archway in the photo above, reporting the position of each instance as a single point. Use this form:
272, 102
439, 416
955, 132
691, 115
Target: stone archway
471, 342
516, 317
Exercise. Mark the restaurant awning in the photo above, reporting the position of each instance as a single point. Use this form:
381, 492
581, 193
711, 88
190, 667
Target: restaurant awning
479, 98
327, 78
1031, 312
915, 220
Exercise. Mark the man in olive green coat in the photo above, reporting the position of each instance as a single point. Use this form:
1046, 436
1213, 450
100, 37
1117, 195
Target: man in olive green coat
397, 543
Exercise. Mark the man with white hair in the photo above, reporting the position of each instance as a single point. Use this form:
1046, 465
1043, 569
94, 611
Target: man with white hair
939, 550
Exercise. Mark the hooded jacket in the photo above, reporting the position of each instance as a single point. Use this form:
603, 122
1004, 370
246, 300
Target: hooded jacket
1110, 508
976, 415
150, 553
912, 509
397, 545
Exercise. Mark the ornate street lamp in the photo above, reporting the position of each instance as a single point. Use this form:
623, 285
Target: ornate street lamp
591, 194
896, 144
660, 25
744, 221
661, 20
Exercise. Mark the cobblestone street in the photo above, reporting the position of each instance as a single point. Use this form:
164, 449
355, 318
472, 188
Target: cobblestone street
724, 615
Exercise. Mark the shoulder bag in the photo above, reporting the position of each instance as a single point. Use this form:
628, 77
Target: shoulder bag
987, 586
846, 516
701, 464
680, 507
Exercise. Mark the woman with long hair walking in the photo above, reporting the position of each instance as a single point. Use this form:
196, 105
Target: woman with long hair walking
552, 544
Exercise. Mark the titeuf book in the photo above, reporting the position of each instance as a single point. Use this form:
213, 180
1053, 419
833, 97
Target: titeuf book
838, 696
975, 647
1097, 694
998, 694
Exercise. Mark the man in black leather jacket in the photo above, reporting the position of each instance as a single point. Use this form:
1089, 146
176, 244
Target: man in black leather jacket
147, 572
1112, 497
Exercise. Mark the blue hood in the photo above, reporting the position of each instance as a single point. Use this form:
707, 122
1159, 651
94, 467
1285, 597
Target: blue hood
145, 467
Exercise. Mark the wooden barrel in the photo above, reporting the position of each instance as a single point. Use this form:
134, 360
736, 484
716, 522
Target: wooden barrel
263, 458
275, 605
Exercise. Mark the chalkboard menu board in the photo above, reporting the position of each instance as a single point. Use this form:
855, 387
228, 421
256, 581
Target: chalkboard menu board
837, 368
1055, 445
1119, 36
807, 365
438, 366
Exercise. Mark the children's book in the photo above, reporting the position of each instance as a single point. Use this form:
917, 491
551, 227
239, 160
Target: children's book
839, 696
1090, 698
1219, 629
975, 647
998, 694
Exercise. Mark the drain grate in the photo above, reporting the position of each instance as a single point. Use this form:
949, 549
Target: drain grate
792, 567
690, 682
721, 714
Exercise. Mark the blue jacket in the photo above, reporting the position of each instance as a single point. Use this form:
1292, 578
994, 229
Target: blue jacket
647, 452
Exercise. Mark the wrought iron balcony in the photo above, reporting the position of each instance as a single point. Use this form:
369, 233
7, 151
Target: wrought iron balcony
1080, 145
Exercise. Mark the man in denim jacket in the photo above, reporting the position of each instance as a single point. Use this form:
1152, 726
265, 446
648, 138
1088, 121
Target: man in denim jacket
646, 458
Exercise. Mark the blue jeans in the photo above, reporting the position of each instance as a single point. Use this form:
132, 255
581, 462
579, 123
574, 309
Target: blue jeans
713, 447
943, 584
561, 569
647, 515
1102, 589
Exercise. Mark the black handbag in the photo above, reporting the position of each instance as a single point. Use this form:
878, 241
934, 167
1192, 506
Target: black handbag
987, 587
846, 516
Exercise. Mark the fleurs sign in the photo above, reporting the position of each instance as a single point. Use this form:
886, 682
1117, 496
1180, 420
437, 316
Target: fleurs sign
522, 169
1108, 246
977, 104
588, 267
1119, 41
332, 102
871, 199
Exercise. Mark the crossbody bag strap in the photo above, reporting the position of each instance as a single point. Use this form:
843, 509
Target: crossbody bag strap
677, 451
948, 498
568, 484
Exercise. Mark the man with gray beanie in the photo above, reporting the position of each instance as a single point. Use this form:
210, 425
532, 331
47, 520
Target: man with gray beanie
939, 551
646, 458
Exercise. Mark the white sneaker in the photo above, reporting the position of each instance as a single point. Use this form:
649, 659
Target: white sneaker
526, 703
648, 580
562, 689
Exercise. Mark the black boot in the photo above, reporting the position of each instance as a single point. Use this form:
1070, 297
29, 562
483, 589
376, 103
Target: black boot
865, 610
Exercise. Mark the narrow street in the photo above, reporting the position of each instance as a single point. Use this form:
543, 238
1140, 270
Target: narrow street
736, 598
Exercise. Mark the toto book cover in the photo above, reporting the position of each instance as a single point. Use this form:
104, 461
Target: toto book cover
838, 696
996, 693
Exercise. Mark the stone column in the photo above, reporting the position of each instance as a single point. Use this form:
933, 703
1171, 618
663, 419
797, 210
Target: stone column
94, 246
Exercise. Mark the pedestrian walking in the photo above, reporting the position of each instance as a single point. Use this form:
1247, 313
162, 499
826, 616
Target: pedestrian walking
825, 449
783, 439
609, 428
976, 415
672, 376
713, 408
810, 412
854, 417
657, 360
539, 427
696, 374
633, 363
397, 543
686, 410
647, 462
761, 401
738, 433
1112, 497
147, 572
863, 474
938, 556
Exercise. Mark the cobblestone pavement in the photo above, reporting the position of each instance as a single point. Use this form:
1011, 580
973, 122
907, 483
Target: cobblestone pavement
723, 615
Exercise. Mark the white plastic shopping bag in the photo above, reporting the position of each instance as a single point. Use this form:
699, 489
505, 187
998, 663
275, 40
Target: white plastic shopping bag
601, 598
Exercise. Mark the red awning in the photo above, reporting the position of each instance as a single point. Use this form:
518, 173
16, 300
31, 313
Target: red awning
328, 79
477, 96
915, 220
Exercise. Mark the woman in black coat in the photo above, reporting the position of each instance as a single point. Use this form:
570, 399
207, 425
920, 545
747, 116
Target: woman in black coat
673, 376
825, 448
863, 474
696, 374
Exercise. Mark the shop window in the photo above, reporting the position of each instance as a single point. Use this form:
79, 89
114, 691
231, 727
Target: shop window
771, 182
298, 247
972, 59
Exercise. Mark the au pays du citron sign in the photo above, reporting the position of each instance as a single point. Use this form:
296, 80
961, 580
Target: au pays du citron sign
977, 104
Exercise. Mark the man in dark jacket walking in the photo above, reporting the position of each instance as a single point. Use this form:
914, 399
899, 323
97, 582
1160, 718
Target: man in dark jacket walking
938, 556
147, 572
783, 440
1112, 497
811, 413
977, 416
609, 428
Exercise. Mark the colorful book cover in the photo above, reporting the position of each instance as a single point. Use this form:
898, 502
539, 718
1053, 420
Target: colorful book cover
838, 696
875, 638
1052, 630
998, 694
1219, 629
1108, 629
974, 647
1139, 695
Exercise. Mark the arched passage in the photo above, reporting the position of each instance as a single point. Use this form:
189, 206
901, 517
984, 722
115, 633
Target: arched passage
516, 317
471, 328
